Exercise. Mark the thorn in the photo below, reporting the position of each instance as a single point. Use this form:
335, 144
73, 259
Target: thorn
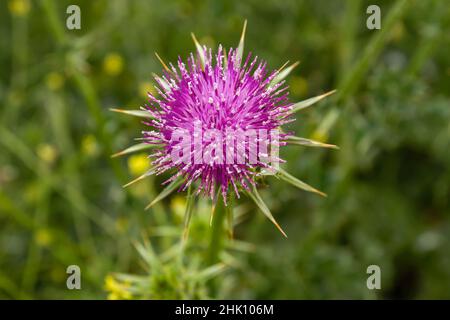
117, 154
149, 205
162, 62
243, 31
279, 228
194, 39
320, 193
283, 66
136, 180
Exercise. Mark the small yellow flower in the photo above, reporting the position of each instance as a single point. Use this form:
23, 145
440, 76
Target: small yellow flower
138, 164
43, 237
47, 152
89, 145
117, 290
178, 206
54, 81
19, 8
113, 296
145, 87
113, 64
110, 283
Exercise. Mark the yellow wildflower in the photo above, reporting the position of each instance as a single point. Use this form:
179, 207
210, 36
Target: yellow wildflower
19, 8
117, 290
178, 206
43, 237
113, 64
138, 164
145, 87
89, 145
47, 152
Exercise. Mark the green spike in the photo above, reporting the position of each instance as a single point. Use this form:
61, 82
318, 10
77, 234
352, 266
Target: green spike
211, 271
136, 113
263, 207
147, 253
162, 62
200, 51
283, 73
309, 143
166, 191
297, 183
188, 212
306, 103
137, 179
135, 148
240, 48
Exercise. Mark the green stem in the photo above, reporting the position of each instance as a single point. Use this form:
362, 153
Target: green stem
217, 232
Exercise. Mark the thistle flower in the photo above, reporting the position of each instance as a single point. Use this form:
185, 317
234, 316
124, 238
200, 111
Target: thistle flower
216, 123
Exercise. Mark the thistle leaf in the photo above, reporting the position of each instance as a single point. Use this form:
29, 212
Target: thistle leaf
240, 48
136, 113
296, 182
211, 272
166, 191
283, 73
135, 148
147, 253
306, 103
188, 212
309, 143
263, 207
200, 51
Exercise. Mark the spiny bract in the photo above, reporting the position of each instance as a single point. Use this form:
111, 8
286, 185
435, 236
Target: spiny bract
216, 123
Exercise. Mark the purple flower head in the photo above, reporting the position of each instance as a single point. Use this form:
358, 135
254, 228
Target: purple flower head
217, 121
215, 125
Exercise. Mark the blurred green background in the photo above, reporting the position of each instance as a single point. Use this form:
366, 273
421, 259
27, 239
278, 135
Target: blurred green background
61, 200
